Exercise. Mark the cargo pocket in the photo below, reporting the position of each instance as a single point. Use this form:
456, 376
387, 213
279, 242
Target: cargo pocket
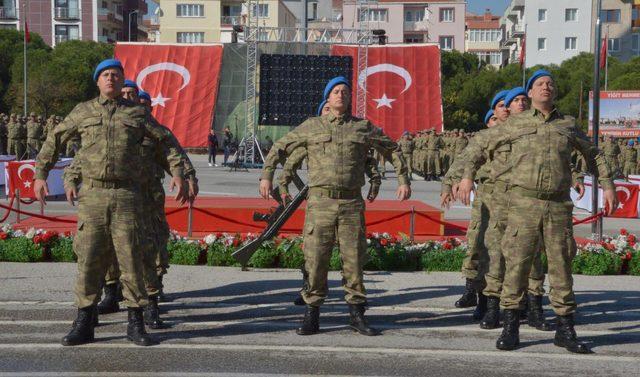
308, 229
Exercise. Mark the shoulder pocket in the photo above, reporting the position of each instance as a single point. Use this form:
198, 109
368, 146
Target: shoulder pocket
322, 138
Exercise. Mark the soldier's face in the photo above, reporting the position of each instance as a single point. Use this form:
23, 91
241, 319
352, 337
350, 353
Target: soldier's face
501, 111
325, 110
110, 82
339, 99
519, 104
543, 90
130, 93
492, 121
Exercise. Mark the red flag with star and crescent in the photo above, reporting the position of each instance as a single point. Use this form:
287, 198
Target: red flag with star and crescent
627, 199
403, 86
182, 81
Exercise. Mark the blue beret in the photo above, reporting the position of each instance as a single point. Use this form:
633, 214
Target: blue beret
130, 84
321, 106
498, 97
513, 93
536, 75
145, 95
630, 142
335, 81
488, 116
107, 63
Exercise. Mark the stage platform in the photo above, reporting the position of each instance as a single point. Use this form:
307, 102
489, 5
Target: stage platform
212, 214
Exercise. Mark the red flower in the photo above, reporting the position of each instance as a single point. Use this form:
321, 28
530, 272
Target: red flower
37, 239
218, 235
3, 236
623, 231
369, 235
393, 239
236, 242
628, 255
67, 233
383, 242
631, 238
447, 246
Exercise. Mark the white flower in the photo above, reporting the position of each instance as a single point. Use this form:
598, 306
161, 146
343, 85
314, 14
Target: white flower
7, 228
210, 239
18, 233
30, 233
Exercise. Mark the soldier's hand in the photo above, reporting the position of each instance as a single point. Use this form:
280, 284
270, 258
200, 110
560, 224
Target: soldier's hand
265, 188
403, 192
579, 187
286, 198
193, 190
72, 194
373, 192
610, 201
454, 190
177, 183
446, 199
41, 190
464, 191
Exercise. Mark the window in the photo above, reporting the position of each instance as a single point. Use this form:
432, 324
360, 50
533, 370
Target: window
610, 15
191, 37
231, 10
571, 14
542, 15
415, 15
485, 35
67, 33
414, 38
446, 43
542, 44
635, 42
263, 10
570, 43
374, 15
490, 57
314, 11
105, 5
190, 10
447, 14
614, 44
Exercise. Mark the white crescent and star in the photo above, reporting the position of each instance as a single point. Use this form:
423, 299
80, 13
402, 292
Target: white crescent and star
27, 184
626, 191
164, 66
385, 101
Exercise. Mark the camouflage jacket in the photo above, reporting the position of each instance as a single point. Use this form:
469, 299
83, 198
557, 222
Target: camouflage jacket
34, 130
539, 152
406, 146
610, 148
111, 134
434, 143
460, 145
337, 149
15, 130
630, 155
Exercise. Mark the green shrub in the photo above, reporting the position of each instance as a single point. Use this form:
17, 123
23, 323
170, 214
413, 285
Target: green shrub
62, 250
267, 256
634, 265
397, 258
220, 255
183, 253
335, 263
375, 262
443, 260
291, 254
20, 249
596, 264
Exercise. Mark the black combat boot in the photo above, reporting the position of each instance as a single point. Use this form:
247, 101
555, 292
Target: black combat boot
481, 308
161, 296
535, 315
109, 303
469, 296
525, 305
152, 314
358, 322
510, 337
299, 301
94, 316
566, 335
135, 329
491, 319
311, 321
82, 329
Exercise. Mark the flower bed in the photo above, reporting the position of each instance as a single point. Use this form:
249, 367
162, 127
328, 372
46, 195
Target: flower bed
613, 255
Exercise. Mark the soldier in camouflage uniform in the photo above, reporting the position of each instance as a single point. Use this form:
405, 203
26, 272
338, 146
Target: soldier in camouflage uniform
460, 145
418, 153
294, 162
611, 151
434, 144
15, 131
111, 130
406, 147
540, 141
336, 146
34, 135
3, 133
630, 159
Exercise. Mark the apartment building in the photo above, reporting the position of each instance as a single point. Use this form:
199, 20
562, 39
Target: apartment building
621, 25
58, 21
212, 21
483, 37
512, 25
437, 21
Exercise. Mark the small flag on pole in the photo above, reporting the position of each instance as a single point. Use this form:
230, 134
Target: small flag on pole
523, 52
603, 52
27, 36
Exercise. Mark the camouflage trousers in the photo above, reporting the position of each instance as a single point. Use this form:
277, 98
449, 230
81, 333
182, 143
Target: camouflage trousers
612, 160
33, 146
532, 222
18, 148
408, 158
432, 163
496, 199
445, 162
150, 244
108, 224
629, 168
418, 161
475, 263
162, 235
327, 221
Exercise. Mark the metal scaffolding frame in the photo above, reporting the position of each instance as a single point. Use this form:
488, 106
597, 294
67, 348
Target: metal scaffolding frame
254, 34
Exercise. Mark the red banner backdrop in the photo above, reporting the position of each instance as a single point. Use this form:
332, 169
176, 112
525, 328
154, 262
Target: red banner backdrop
628, 199
403, 86
182, 82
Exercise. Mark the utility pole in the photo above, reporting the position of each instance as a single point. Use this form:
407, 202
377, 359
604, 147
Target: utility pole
596, 227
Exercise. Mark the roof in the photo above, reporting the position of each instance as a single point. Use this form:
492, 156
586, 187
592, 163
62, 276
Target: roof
484, 21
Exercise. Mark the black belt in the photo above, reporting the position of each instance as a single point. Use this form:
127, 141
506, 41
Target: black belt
335, 193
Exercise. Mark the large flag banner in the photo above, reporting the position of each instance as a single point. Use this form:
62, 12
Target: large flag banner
619, 113
20, 176
182, 81
403, 86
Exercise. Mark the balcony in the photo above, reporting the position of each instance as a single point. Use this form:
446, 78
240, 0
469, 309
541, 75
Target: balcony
7, 13
415, 26
231, 20
66, 13
109, 16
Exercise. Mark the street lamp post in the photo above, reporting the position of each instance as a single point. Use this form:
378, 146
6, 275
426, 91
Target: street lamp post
130, 14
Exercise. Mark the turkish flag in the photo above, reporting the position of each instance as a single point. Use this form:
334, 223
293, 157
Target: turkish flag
403, 86
523, 52
628, 200
21, 175
182, 81
604, 55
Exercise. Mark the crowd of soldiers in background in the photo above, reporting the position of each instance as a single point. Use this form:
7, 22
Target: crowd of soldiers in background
23, 136
621, 154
